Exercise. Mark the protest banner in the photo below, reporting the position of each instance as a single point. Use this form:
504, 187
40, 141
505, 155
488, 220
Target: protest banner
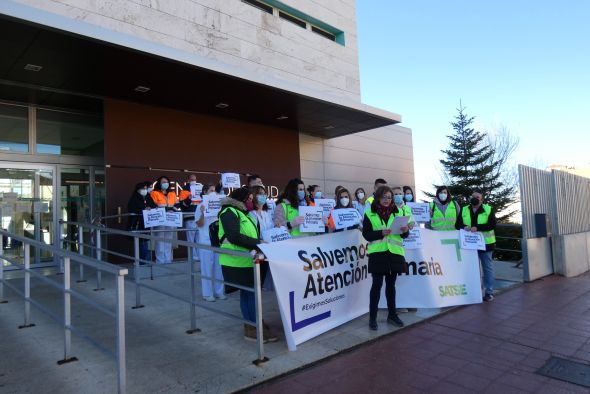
414, 240
212, 204
154, 217
420, 211
322, 282
276, 234
471, 240
314, 220
345, 217
230, 180
327, 204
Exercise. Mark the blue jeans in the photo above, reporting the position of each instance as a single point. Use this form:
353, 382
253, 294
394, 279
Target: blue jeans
248, 305
488, 270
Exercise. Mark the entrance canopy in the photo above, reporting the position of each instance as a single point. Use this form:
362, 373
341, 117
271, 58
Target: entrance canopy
51, 60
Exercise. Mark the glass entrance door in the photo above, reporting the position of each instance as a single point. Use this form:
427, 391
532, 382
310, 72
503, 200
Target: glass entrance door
27, 208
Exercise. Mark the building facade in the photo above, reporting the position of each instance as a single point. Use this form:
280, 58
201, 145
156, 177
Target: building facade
98, 95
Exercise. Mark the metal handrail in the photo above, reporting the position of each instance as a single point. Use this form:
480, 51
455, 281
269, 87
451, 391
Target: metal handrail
192, 273
67, 257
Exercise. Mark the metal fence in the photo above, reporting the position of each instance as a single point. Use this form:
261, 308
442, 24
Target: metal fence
67, 258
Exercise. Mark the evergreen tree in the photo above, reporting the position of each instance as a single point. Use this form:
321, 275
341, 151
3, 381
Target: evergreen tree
476, 162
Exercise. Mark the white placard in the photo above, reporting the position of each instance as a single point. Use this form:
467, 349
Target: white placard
276, 234
345, 217
314, 220
196, 191
212, 203
154, 217
173, 219
327, 204
471, 240
398, 223
230, 179
9, 197
414, 240
420, 211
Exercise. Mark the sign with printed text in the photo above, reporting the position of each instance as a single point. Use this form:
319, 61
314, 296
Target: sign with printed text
196, 192
154, 217
272, 205
471, 240
212, 203
420, 211
414, 240
313, 220
345, 217
230, 180
173, 219
276, 234
327, 204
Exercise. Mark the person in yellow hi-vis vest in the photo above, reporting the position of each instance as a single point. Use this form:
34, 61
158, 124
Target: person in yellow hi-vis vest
481, 217
386, 253
287, 210
444, 211
239, 231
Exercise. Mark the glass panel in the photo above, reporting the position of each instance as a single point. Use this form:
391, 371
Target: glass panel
75, 202
26, 209
100, 188
14, 128
69, 134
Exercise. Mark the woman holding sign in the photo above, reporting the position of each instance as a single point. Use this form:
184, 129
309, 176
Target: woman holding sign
238, 231
343, 201
164, 197
287, 210
386, 253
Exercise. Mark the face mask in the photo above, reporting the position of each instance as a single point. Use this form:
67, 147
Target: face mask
317, 195
398, 198
164, 186
442, 196
408, 197
249, 205
361, 195
150, 189
143, 192
474, 201
261, 199
300, 194
344, 201
192, 183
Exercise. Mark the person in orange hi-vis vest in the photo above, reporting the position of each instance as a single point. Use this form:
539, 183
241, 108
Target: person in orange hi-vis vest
164, 197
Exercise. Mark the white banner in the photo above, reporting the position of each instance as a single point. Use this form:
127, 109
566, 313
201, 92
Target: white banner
230, 179
154, 217
314, 220
345, 217
420, 211
321, 282
471, 240
440, 274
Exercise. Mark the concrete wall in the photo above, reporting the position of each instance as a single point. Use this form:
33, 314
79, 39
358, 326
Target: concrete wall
356, 160
539, 262
235, 33
571, 253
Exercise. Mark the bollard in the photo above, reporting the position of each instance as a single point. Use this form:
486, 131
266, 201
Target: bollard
191, 264
258, 301
81, 252
137, 278
27, 288
67, 315
98, 244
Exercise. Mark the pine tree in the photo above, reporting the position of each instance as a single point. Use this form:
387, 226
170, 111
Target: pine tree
476, 162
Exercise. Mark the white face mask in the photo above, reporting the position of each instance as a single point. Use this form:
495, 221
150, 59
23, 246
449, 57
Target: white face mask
143, 192
344, 201
150, 189
361, 195
442, 196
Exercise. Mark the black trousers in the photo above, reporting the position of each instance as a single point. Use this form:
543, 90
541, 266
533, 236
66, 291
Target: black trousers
376, 293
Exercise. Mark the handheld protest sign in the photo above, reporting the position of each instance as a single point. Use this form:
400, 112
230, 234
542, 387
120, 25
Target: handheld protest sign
230, 180
313, 220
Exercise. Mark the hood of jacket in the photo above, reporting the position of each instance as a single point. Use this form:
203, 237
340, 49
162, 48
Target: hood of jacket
231, 202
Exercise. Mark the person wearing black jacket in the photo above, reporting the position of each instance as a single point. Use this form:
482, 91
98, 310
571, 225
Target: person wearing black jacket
386, 253
481, 217
139, 201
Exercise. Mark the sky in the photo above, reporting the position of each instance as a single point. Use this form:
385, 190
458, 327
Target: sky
523, 65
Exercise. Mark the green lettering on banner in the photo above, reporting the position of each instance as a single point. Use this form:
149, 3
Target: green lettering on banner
454, 242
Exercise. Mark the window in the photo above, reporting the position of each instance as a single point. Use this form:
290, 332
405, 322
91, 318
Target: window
64, 133
14, 128
259, 5
292, 19
321, 32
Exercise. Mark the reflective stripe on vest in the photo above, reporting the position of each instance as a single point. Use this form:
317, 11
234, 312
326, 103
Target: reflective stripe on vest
290, 214
446, 221
392, 242
247, 228
482, 218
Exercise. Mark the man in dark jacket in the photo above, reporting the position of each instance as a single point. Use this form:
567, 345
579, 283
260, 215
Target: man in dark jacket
139, 201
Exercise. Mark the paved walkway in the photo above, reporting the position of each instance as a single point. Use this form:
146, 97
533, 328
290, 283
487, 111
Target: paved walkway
493, 348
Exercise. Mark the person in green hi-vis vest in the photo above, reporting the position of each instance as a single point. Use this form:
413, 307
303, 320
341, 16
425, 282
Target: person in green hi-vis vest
444, 211
481, 217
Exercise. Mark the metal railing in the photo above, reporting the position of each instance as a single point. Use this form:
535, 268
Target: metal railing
67, 258
191, 273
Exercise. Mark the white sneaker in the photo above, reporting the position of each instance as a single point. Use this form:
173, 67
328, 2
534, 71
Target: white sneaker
221, 297
210, 299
